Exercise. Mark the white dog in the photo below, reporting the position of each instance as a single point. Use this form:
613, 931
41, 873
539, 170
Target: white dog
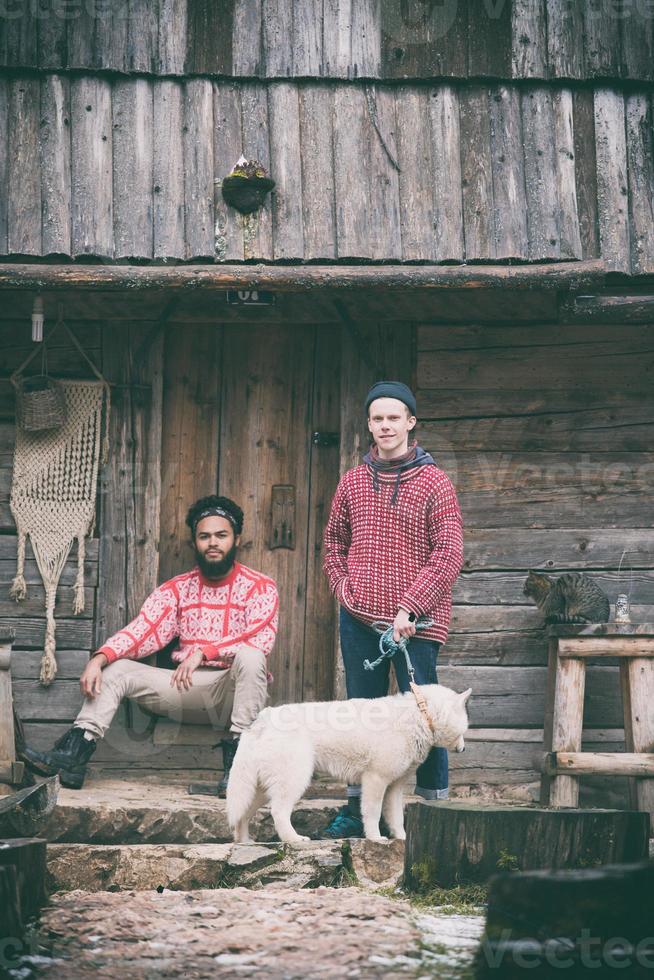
372, 742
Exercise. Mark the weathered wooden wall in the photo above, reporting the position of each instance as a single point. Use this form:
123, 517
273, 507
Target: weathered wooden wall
132, 169
336, 38
545, 428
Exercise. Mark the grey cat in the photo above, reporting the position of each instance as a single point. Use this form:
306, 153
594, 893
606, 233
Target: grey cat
571, 598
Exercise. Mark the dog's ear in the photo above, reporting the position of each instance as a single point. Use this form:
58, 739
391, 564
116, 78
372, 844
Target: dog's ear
466, 694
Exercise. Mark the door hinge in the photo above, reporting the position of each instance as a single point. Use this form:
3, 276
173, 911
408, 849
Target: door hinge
326, 439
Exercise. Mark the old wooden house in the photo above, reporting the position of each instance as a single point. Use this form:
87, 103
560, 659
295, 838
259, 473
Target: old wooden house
463, 200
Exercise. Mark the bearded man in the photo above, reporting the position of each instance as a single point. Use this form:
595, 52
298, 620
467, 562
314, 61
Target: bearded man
224, 616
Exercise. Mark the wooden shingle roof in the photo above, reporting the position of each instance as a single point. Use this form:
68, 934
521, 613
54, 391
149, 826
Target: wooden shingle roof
378, 39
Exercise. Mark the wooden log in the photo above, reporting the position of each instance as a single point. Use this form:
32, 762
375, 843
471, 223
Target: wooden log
489, 38
11, 920
210, 31
610, 646
456, 842
569, 920
27, 856
637, 44
612, 179
565, 174
277, 27
366, 39
55, 164
24, 172
91, 155
564, 275
567, 723
561, 548
636, 764
637, 681
142, 41
132, 106
168, 172
337, 38
620, 309
71, 633
198, 168
601, 40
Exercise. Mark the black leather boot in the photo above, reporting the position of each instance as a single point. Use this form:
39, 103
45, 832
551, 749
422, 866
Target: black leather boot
229, 747
69, 757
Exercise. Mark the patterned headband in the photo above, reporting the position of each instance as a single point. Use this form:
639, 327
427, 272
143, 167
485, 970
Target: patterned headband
214, 512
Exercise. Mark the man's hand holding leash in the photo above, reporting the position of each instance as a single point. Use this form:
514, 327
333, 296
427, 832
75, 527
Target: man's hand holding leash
404, 625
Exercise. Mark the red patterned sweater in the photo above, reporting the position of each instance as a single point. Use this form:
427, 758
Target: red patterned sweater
379, 556
243, 608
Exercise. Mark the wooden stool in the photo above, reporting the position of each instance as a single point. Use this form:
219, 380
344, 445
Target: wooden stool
569, 649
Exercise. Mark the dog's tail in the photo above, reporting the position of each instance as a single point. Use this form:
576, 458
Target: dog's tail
243, 779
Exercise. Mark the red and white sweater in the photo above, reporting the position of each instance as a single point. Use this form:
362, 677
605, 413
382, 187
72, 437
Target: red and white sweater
242, 609
379, 556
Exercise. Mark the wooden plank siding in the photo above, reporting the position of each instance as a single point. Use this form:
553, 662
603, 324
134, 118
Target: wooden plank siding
132, 169
128, 170
545, 429
340, 39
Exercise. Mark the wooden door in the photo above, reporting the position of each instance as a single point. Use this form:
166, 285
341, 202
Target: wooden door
242, 423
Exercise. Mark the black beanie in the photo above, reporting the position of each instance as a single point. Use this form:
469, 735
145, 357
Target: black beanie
392, 389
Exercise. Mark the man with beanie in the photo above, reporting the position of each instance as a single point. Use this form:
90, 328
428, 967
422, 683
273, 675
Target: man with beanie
393, 550
224, 618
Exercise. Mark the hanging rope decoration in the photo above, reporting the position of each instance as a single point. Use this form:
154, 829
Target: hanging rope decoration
53, 490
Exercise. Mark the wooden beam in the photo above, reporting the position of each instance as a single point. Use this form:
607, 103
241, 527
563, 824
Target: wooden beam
607, 309
605, 763
554, 275
628, 646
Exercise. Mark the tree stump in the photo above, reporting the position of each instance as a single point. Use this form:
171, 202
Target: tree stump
27, 857
11, 921
463, 843
598, 921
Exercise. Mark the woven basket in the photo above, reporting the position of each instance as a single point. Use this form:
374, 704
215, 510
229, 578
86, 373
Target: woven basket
41, 404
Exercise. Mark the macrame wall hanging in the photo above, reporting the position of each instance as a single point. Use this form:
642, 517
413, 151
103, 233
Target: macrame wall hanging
55, 477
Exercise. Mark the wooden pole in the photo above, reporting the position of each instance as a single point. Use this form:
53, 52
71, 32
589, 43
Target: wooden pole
637, 679
7, 735
567, 725
607, 763
295, 278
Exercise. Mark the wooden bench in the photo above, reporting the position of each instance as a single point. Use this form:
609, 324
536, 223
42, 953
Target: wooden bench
570, 647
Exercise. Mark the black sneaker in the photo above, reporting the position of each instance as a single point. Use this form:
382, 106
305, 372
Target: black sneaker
69, 758
345, 824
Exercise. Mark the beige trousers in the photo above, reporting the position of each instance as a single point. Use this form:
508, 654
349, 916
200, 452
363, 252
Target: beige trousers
222, 698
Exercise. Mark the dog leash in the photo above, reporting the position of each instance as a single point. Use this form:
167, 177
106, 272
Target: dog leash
388, 648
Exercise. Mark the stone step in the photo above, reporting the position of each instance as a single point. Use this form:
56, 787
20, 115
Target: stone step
179, 867
130, 813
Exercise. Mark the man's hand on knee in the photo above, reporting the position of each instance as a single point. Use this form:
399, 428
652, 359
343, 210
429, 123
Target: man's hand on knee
183, 677
91, 680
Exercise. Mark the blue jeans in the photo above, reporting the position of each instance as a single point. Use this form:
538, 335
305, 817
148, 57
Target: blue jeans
358, 643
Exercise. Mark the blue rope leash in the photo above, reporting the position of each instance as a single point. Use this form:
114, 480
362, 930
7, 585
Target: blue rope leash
388, 647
